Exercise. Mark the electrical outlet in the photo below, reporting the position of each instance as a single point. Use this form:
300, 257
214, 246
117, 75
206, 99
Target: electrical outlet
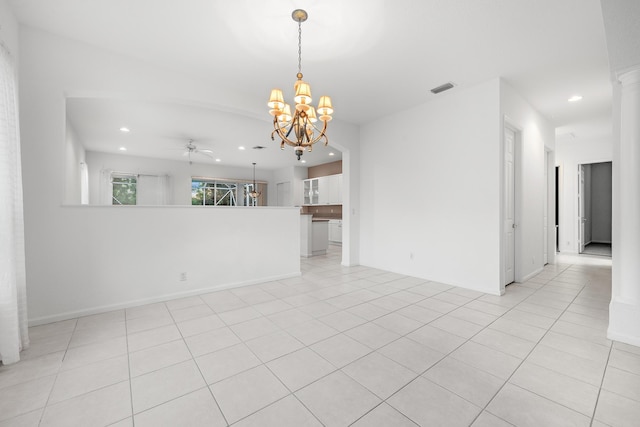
183, 276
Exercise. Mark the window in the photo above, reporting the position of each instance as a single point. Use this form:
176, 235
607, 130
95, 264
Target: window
124, 189
222, 192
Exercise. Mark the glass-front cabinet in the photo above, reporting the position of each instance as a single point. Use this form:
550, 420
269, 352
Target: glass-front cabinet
311, 191
324, 190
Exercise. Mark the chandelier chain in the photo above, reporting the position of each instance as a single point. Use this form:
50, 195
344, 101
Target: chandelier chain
299, 47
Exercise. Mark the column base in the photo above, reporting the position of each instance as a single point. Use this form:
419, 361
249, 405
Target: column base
624, 322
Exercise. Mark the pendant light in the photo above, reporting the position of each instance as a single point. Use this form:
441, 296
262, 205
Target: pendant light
254, 193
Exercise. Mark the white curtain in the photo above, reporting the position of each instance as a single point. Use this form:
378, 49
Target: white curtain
152, 190
13, 291
106, 188
84, 184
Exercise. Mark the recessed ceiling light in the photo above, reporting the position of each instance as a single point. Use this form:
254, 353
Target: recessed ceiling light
332, 154
303, 161
575, 98
240, 148
123, 148
125, 130
218, 160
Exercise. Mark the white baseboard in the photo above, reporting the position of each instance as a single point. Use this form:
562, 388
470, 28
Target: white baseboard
531, 275
624, 322
160, 298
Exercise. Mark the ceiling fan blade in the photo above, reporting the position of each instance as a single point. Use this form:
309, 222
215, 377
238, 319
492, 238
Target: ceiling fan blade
206, 151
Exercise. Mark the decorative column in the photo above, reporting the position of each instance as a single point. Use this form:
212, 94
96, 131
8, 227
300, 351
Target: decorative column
624, 311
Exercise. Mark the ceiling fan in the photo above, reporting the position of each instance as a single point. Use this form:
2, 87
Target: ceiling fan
191, 149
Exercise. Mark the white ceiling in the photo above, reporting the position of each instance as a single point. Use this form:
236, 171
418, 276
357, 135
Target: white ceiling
162, 130
373, 57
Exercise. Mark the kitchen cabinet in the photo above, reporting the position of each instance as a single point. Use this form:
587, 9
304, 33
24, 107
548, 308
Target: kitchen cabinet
310, 191
335, 189
314, 236
335, 231
324, 190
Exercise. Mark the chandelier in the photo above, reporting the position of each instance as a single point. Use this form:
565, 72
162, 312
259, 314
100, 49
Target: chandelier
299, 130
254, 193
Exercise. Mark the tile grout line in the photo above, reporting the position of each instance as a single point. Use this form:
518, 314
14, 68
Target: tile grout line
604, 374
337, 369
126, 339
339, 309
291, 393
44, 408
531, 351
193, 358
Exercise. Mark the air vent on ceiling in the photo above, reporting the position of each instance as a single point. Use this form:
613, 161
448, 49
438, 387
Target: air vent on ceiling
442, 88
259, 147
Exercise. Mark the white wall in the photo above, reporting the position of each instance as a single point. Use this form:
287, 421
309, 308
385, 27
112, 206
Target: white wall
570, 154
180, 173
107, 257
430, 195
348, 139
74, 155
72, 251
537, 134
294, 175
8, 28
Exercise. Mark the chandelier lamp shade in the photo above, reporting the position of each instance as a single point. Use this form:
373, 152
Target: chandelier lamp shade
300, 129
254, 193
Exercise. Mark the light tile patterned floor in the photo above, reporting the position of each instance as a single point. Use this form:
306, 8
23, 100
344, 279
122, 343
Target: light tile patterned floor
337, 347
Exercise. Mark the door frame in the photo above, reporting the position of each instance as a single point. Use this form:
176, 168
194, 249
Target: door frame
551, 205
517, 190
576, 224
581, 219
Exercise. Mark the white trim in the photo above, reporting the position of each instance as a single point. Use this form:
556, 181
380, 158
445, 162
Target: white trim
531, 275
508, 123
623, 322
167, 297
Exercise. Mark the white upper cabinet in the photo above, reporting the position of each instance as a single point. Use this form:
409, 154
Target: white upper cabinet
335, 189
324, 190
310, 191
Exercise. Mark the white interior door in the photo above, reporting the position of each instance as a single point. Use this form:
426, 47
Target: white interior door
509, 206
283, 190
581, 217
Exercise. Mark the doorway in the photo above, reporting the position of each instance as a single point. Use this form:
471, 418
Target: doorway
557, 219
594, 208
511, 138
283, 194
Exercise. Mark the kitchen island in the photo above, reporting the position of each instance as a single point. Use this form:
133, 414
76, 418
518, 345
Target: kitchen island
314, 235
